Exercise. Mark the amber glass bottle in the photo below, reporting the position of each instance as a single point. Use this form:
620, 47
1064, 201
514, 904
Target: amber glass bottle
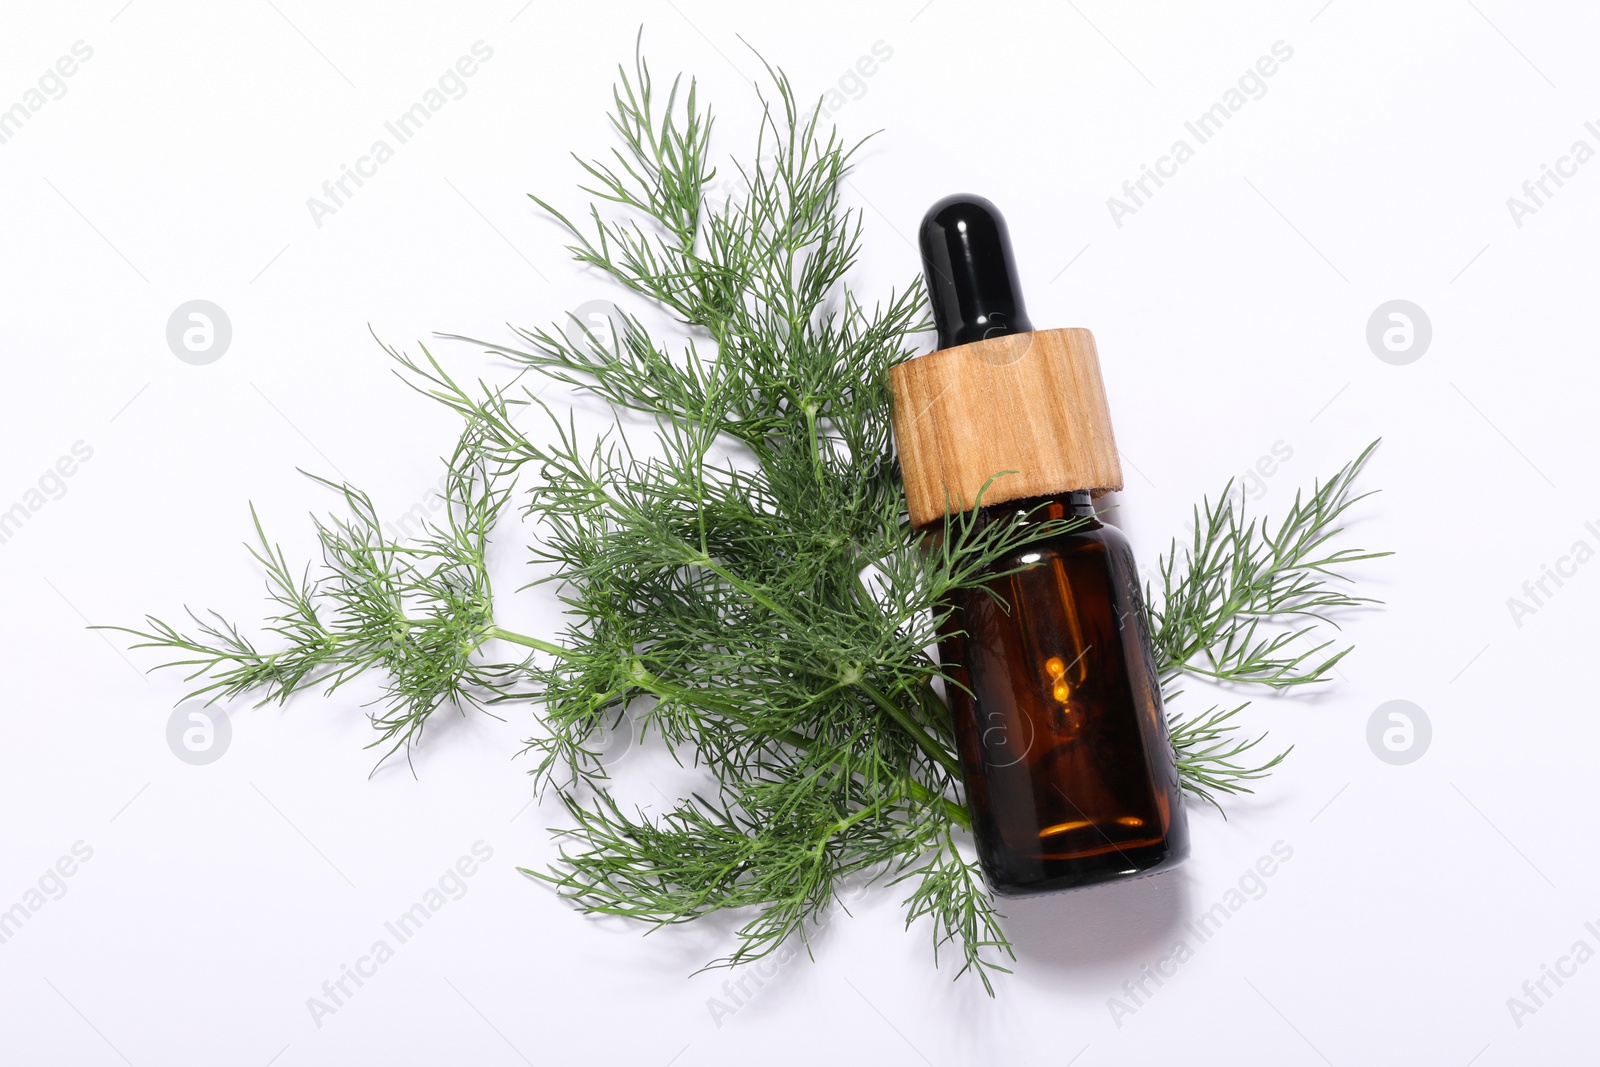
1057, 709
1068, 767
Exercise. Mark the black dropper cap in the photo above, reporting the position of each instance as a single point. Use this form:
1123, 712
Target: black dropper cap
972, 279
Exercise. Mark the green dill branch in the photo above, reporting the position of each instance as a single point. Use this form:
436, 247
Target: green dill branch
729, 708
1235, 605
1237, 575
415, 613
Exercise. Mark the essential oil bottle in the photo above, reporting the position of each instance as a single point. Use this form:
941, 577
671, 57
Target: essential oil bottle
1068, 767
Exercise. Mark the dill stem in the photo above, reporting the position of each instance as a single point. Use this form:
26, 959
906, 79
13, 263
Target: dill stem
839, 827
810, 409
528, 642
935, 751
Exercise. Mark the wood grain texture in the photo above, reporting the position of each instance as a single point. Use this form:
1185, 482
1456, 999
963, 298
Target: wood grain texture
1030, 403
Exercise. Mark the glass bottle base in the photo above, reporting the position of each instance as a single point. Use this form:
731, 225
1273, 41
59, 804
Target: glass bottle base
1116, 864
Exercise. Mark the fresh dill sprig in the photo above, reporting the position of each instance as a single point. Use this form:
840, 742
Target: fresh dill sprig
1237, 578
1241, 606
413, 613
748, 589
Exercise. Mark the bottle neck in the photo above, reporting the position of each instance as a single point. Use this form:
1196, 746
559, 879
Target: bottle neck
1078, 504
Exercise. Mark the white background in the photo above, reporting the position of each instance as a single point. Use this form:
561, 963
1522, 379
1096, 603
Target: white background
1231, 314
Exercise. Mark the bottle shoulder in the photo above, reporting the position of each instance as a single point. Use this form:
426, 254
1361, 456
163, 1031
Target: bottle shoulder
1093, 538
1105, 533
1090, 535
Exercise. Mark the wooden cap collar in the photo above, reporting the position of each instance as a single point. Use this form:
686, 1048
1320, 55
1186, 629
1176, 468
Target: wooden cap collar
1029, 403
